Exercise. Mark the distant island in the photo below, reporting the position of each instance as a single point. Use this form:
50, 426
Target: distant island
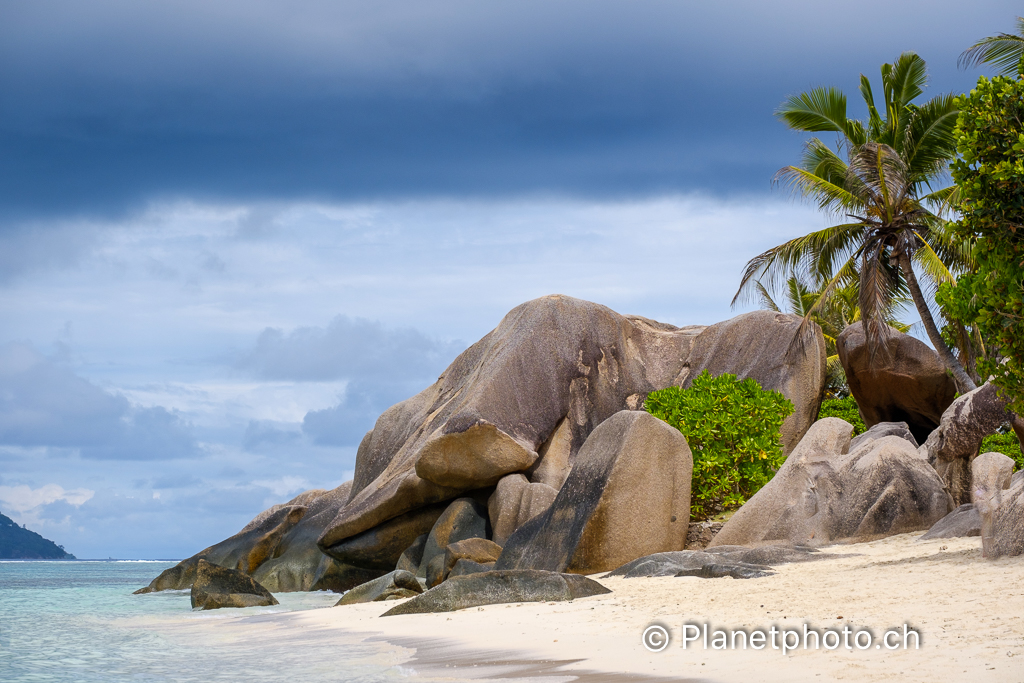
18, 543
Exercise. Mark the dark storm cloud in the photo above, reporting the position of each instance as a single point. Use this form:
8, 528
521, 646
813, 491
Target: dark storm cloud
108, 104
44, 403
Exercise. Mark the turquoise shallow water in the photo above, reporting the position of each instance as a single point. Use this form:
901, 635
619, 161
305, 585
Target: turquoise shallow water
78, 621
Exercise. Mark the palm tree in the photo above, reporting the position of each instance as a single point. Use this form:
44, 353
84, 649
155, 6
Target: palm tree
884, 185
1004, 50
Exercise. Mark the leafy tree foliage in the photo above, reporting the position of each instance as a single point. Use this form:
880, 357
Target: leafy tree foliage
990, 178
732, 428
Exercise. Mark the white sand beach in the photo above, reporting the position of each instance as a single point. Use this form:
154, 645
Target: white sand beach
968, 610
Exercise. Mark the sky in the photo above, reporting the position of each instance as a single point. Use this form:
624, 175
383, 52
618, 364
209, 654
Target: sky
233, 233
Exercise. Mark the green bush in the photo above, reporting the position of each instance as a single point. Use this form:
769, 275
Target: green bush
732, 428
844, 409
1007, 444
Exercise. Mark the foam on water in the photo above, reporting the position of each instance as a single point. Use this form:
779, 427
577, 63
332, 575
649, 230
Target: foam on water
78, 621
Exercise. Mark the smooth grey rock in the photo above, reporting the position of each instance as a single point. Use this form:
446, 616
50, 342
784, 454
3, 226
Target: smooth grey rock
734, 570
990, 475
463, 567
480, 551
904, 381
881, 429
1008, 522
736, 561
382, 546
514, 502
825, 493
413, 555
964, 521
397, 584
768, 554
216, 587
663, 564
956, 441
463, 518
297, 563
628, 495
496, 587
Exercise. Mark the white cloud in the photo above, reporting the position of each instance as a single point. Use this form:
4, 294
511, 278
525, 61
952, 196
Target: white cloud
285, 485
22, 499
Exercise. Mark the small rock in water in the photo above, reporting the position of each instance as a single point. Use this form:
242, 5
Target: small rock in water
217, 587
398, 584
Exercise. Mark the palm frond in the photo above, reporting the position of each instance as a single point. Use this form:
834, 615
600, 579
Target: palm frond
838, 246
875, 123
904, 82
765, 298
770, 268
830, 196
931, 265
929, 141
955, 253
944, 201
1003, 51
821, 109
797, 295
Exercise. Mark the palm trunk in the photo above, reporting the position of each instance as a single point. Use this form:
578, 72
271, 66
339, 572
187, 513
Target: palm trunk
963, 381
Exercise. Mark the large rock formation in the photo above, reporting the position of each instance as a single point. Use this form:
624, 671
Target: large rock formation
216, 587
541, 382
628, 495
496, 587
957, 440
905, 381
278, 549
825, 493
519, 403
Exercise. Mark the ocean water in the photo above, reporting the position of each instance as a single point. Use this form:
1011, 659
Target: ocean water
78, 621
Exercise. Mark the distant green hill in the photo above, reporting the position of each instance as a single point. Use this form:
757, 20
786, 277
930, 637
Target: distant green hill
17, 543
